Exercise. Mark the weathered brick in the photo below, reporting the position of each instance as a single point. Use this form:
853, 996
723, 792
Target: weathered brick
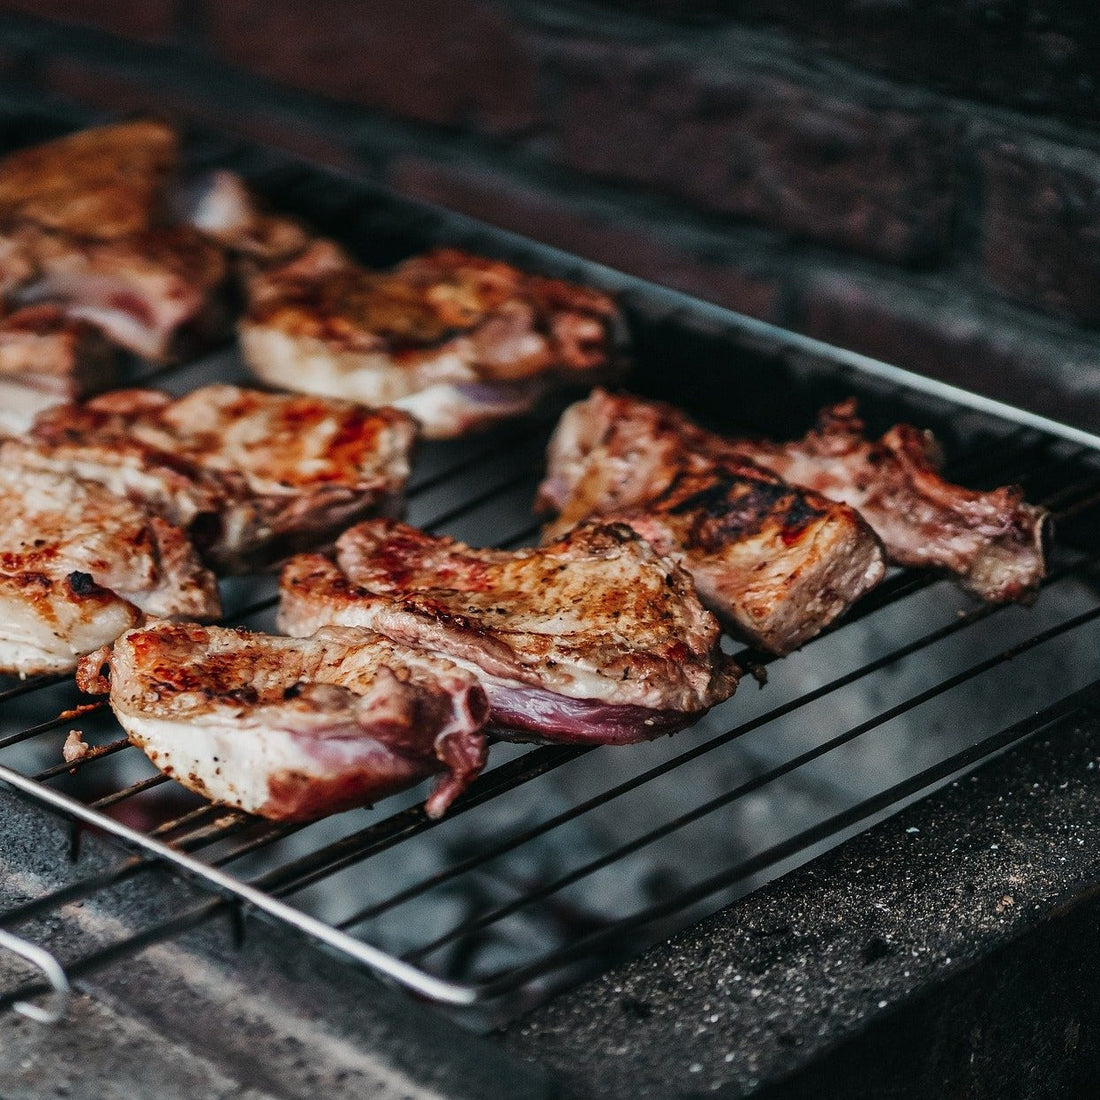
1040, 241
152, 20
949, 333
1033, 54
462, 62
126, 93
873, 179
614, 238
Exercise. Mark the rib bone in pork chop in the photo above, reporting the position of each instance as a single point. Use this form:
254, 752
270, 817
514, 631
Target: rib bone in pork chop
290, 728
79, 565
250, 474
457, 340
992, 542
592, 639
776, 562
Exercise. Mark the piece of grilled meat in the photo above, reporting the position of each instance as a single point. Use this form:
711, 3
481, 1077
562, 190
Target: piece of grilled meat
592, 639
79, 565
85, 225
293, 729
157, 292
48, 359
992, 542
250, 475
457, 340
105, 182
775, 562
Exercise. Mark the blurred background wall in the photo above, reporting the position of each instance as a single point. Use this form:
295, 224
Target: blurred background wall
919, 180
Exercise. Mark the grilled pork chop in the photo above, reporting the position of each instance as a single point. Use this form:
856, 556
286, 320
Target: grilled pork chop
777, 563
592, 639
156, 292
79, 565
106, 182
47, 359
457, 340
290, 728
992, 542
84, 225
249, 474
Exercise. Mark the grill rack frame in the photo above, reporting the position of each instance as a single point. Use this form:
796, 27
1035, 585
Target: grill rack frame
1033, 432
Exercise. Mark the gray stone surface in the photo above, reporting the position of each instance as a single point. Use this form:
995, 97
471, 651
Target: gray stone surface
200, 1015
926, 905
106, 1055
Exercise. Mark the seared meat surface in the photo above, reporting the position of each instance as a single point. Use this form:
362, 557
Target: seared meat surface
249, 474
991, 542
594, 638
79, 565
290, 728
777, 563
457, 340
84, 225
106, 182
46, 359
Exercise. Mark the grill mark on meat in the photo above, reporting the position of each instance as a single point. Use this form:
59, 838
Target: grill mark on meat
83, 584
734, 505
776, 562
248, 474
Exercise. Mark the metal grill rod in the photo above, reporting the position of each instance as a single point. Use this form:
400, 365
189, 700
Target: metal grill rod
381, 835
212, 835
816, 834
474, 861
190, 818
438, 989
34, 683
495, 987
55, 975
122, 949
777, 772
128, 792
74, 892
215, 831
34, 731
97, 753
470, 505
343, 853
535, 424
42, 682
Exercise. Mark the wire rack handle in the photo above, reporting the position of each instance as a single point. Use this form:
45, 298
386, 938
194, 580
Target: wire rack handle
54, 973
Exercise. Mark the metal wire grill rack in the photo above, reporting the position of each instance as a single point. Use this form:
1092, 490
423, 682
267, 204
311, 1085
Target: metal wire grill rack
560, 860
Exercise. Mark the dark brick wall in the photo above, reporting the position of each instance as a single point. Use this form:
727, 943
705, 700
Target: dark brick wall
154, 20
917, 179
452, 63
